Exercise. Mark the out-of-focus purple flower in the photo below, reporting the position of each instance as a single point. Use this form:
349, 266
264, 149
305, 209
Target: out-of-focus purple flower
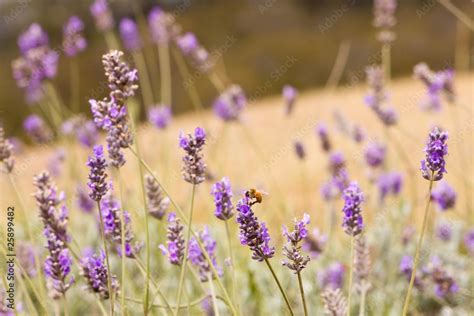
332, 276
292, 251
111, 209
299, 150
323, 134
406, 268
436, 83
252, 232
97, 174
6, 148
384, 19
314, 243
444, 284
175, 241
103, 18
56, 161
444, 195
289, 94
434, 166
358, 134
230, 104
130, 35
469, 241
37, 129
389, 183
163, 26
328, 190
84, 202
190, 47
375, 154
73, 39
26, 254
197, 258
353, 221
194, 167
337, 168
33, 37
160, 116
378, 96
407, 234
444, 231
95, 272
85, 130
157, 202
222, 192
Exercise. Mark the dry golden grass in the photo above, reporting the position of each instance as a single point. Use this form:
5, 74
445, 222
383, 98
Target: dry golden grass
259, 153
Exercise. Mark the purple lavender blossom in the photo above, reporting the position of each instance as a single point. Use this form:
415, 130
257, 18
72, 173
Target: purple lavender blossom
252, 232
175, 241
378, 96
469, 241
73, 39
97, 175
375, 154
84, 130
299, 150
190, 47
434, 166
33, 37
95, 272
6, 149
187, 43
322, 131
332, 276
292, 251
222, 193
111, 209
160, 116
406, 268
230, 104
337, 168
358, 134
130, 35
103, 18
314, 243
84, 202
162, 26
444, 231
197, 258
37, 129
436, 83
444, 195
26, 254
389, 183
289, 94
353, 221
445, 286
56, 161
384, 19
157, 202
194, 167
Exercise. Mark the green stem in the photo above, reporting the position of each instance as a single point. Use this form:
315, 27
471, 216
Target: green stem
213, 296
75, 82
122, 244
351, 272
279, 286
386, 62
144, 78
111, 40
418, 247
363, 295
303, 299
232, 266
186, 251
165, 73
109, 281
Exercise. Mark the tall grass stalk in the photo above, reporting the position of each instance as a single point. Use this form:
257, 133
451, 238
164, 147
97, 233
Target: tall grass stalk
165, 73
418, 248
303, 299
235, 296
144, 78
74, 84
186, 251
213, 296
122, 244
285, 297
351, 272
184, 218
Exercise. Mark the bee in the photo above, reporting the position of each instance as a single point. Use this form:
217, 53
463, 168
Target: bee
255, 194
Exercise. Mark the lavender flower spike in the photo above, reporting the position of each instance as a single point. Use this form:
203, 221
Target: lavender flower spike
230, 104
299, 150
353, 198
6, 149
73, 40
384, 19
444, 195
252, 232
222, 193
156, 201
103, 18
130, 35
334, 302
375, 154
322, 132
289, 95
194, 168
434, 166
97, 175
197, 258
94, 270
160, 116
175, 244
162, 26
296, 261
37, 129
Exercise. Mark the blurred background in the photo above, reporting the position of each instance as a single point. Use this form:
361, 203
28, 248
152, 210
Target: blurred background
264, 43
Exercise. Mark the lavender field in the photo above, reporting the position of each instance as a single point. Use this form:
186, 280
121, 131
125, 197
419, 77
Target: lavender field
352, 198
